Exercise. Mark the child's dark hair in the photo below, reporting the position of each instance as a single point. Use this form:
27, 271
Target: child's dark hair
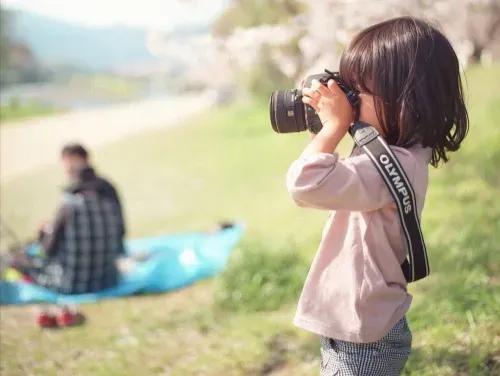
413, 73
75, 149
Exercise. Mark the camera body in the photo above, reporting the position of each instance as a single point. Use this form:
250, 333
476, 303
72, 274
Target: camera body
289, 114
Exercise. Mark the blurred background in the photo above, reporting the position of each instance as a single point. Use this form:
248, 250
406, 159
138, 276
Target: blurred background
171, 99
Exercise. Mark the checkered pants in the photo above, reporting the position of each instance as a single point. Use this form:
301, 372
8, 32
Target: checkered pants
385, 357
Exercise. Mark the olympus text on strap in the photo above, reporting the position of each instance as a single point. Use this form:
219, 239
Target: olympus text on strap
416, 265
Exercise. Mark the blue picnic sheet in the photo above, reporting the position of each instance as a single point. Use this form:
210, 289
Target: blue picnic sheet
173, 261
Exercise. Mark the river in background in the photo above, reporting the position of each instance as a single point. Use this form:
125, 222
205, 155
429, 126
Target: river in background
86, 93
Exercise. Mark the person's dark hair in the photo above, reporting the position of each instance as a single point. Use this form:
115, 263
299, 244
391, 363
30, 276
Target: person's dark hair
74, 149
413, 73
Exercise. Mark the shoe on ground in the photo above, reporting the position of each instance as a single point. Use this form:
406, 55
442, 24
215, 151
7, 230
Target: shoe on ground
68, 317
46, 320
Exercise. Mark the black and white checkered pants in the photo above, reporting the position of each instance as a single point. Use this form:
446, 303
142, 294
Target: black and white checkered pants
385, 357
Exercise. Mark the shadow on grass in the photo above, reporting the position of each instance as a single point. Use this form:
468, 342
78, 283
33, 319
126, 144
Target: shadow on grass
448, 361
284, 349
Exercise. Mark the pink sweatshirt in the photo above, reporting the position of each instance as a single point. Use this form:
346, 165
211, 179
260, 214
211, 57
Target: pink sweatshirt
355, 290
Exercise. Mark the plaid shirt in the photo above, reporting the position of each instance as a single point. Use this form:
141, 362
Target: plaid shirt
86, 239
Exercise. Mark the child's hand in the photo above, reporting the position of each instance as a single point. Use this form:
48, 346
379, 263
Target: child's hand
331, 105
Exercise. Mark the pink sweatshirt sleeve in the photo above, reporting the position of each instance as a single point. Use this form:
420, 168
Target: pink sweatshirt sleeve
325, 181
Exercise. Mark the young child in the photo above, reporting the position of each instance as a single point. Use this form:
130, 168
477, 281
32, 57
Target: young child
355, 294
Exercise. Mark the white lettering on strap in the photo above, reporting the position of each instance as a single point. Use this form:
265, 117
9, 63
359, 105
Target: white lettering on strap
397, 181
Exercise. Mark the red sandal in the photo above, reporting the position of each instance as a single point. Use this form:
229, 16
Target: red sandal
68, 317
46, 320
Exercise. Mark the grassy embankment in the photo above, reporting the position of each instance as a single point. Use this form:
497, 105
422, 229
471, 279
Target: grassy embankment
15, 111
228, 164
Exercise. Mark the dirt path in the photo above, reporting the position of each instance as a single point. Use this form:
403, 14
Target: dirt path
34, 143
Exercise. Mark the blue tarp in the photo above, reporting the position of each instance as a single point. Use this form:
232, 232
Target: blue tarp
173, 261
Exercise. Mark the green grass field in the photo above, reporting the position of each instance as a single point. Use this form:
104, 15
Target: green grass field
11, 112
228, 164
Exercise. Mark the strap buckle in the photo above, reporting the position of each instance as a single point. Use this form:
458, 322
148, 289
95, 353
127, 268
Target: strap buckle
362, 133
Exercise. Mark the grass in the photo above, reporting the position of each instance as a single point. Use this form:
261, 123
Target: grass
259, 279
18, 111
227, 164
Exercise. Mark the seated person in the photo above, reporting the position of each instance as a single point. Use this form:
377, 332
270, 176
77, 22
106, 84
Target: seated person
85, 238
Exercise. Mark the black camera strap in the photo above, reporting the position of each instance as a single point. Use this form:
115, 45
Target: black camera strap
416, 265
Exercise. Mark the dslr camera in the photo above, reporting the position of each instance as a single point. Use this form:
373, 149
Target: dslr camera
288, 112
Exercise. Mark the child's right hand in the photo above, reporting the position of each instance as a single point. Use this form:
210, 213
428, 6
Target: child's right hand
331, 105
335, 113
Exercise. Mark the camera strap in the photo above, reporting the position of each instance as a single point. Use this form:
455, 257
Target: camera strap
416, 265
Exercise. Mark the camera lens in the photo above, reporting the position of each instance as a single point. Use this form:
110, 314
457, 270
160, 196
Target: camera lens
289, 114
287, 111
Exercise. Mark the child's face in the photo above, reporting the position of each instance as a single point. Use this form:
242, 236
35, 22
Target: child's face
367, 111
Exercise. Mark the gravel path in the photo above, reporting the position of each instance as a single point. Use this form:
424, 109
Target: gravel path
34, 143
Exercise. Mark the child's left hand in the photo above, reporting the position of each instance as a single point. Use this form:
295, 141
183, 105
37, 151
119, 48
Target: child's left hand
331, 105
